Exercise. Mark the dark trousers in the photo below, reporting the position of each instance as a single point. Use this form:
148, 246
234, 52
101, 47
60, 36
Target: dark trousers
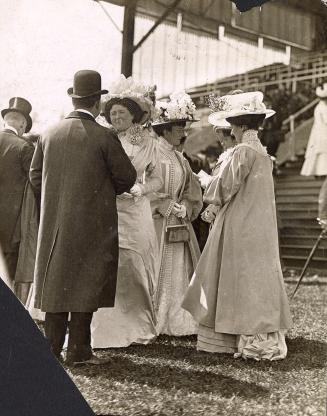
79, 339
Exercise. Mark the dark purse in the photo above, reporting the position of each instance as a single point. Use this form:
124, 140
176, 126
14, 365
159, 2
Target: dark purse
177, 233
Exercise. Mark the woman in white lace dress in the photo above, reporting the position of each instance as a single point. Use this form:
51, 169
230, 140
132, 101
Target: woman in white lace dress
237, 292
133, 319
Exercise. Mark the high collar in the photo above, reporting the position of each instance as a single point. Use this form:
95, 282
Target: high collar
163, 142
10, 129
250, 136
81, 114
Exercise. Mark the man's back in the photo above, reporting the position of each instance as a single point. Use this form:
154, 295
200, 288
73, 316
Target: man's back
80, 167
15, 158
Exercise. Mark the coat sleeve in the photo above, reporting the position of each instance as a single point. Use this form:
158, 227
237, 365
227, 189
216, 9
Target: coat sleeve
36, 168
120, 167
192, 194
26, 155
154, 179
222, 188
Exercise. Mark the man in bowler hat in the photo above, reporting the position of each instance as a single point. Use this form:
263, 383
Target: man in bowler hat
79, 168
15, 159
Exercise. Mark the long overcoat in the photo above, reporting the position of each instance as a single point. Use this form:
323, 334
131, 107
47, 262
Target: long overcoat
15, 160
80, 167
238, 286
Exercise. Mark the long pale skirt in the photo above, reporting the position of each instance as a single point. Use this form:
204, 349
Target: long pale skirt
132, 320
315, 165
176, 269
270, 346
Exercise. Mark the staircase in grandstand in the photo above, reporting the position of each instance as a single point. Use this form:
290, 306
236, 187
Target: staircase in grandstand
297, 205
310, 68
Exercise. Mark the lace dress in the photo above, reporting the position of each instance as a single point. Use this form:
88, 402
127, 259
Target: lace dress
237, 292
133, 319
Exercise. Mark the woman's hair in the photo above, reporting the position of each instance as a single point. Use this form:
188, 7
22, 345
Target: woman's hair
252, 121
225, 132
159, 129
129, 104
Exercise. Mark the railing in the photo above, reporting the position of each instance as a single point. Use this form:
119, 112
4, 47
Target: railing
291, 121
312, 68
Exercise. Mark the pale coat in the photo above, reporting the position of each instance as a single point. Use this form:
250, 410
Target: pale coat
80, 167
316, 154
238, 286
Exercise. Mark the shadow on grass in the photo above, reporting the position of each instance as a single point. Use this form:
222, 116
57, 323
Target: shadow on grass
165, 377
302, 354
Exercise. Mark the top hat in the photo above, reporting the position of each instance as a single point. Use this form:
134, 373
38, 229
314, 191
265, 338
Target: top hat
239, 105
321, 92
87, 83
22, 106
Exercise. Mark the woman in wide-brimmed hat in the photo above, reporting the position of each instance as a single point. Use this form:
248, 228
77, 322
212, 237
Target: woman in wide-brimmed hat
237, 292
177, 203
127, 108
315, 162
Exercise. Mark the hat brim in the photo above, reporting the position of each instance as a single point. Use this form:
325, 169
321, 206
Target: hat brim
70, 92
215, 118
27, 117
175, 121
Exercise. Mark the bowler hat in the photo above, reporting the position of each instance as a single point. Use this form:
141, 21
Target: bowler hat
22, 106
87, 83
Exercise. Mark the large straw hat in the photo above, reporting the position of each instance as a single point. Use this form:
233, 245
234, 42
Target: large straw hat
180, 108
239, 105
136, 92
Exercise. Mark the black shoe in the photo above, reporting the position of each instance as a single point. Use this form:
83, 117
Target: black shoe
93, 360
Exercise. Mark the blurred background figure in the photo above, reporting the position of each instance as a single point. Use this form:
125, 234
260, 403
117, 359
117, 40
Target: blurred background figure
315, 162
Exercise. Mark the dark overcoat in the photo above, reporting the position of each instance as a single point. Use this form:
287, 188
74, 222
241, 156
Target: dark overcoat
80, 167
15, 160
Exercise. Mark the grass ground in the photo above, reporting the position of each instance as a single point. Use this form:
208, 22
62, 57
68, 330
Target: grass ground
169, 377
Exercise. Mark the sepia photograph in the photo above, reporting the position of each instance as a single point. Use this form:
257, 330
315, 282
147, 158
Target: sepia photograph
163, 207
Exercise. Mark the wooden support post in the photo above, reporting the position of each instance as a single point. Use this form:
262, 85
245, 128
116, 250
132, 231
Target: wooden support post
128, 38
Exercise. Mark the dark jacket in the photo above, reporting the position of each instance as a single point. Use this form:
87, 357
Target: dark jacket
80, 167
15, 160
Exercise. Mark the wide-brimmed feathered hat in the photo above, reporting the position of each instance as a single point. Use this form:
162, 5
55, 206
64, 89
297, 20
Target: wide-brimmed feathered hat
321, 92
179, 108
236, 105
87, 83
128, 88
22, 106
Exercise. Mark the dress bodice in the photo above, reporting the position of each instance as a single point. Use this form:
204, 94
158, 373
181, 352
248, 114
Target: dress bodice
174, 181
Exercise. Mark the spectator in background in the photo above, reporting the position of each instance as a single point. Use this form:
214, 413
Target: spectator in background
15, 160
315, 162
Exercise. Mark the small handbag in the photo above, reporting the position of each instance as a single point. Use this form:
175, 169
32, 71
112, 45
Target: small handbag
177, 233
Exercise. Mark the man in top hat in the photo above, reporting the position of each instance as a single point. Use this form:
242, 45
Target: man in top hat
15, 159
82, 167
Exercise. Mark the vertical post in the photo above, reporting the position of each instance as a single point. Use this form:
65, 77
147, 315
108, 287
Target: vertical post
292, 139
128, 38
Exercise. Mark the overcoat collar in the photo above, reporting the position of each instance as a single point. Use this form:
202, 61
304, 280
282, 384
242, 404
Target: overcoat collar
80, 114
10, 131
